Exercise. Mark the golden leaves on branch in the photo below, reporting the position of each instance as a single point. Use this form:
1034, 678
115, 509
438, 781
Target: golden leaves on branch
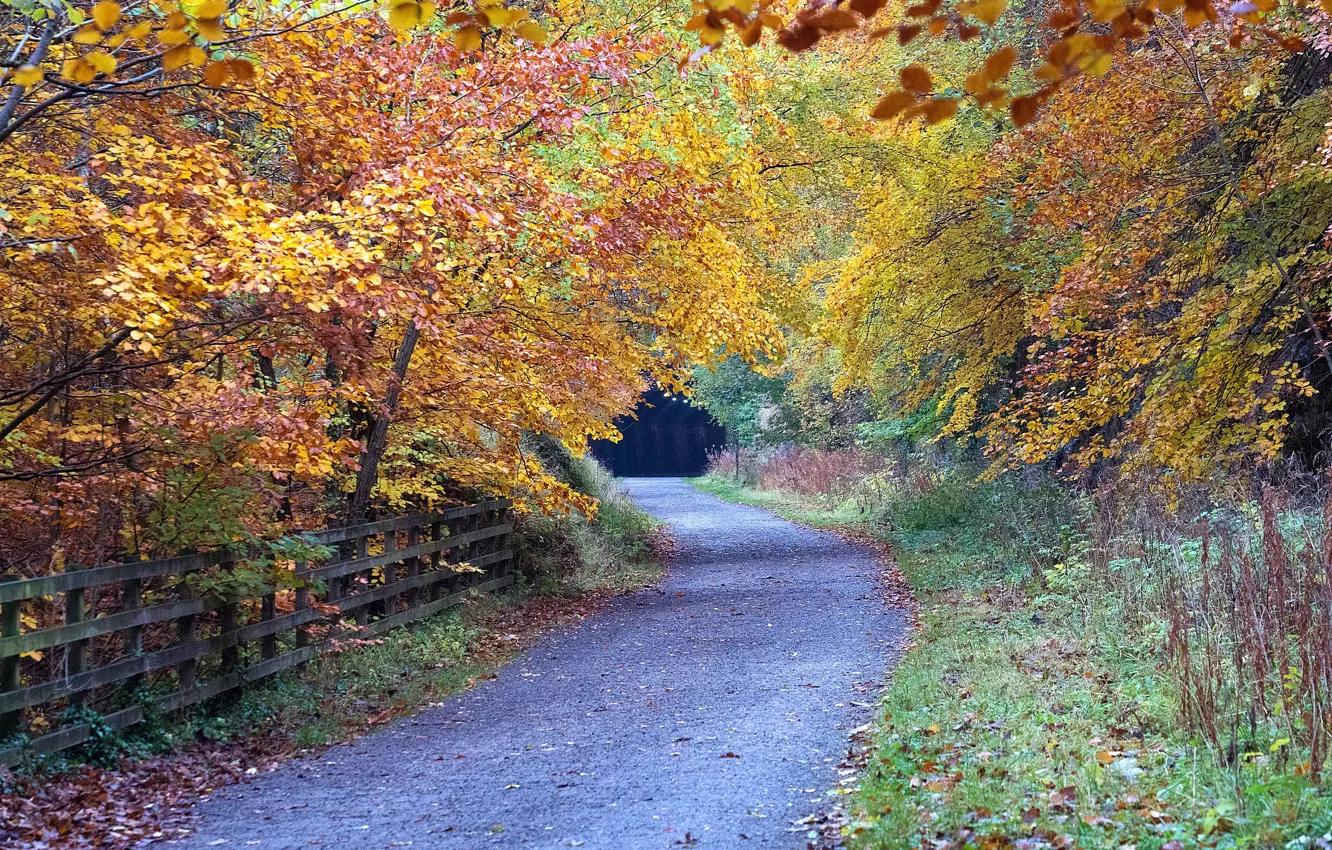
26, 75
711, 17
892, 105
208, 19
409, 15
406, 15
180, 34
106, 14
218, 73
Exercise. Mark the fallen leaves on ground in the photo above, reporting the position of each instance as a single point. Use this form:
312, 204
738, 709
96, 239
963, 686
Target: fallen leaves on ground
152, 798
141, 800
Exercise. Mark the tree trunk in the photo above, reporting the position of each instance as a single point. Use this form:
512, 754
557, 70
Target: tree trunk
377, 440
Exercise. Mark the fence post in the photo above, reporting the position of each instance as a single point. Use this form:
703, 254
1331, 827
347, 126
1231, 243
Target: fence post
436, 559
11, 722
386, 606
131, 597
474, 523
226, 618
413, 565
267, 610
362, 551
187, 671
302, 603
502, 542
76, 652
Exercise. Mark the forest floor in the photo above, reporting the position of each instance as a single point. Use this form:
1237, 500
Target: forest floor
715, 710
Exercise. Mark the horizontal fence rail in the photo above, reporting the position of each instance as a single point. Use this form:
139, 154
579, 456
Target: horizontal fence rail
104, 648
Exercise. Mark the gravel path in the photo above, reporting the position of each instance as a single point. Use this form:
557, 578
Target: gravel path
711, 712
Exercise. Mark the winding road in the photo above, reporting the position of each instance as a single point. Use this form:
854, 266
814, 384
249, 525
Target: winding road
709, 712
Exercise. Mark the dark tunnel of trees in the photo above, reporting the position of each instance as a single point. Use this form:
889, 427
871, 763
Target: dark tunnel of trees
670, 437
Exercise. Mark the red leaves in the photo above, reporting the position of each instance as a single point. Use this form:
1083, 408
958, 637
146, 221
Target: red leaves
834, 19
867, 8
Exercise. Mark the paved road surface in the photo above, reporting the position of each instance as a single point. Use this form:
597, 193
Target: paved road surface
711, 713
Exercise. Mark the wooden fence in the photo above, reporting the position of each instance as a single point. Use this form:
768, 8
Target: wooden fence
101, 648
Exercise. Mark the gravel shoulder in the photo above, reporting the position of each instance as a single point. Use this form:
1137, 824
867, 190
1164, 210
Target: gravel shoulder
711, 711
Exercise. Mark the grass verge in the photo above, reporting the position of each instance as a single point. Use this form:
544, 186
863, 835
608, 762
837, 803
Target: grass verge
1023, 717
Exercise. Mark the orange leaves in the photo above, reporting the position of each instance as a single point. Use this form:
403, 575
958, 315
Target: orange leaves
939, 109
467, 38
869, 8
834, 19
78, 70
1023, 110
934, 110
798, 39
711, 28
916, 79
105, 63
987, 11
532, 32
1105, 11
1072, 52
892, 105
174, 32
468, 27
1199, 12
183, 55
216, 74
907, 103
999, 64
748, 18
208, 19
917, 83
219, 73
25, 75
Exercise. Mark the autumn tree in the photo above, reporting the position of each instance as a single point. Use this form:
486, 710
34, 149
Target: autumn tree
353, 282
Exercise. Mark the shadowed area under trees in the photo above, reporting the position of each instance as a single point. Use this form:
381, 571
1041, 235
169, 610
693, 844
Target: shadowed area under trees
666, 435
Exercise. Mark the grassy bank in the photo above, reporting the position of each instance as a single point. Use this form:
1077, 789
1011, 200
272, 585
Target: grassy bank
1037, 708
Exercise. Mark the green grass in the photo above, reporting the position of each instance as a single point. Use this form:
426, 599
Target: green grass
336, 696
786, 505
1026, 716
1001, 726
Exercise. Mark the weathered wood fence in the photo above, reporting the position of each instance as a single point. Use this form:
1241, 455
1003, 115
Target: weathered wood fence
98, 648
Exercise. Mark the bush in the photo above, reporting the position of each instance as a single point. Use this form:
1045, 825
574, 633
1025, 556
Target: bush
573, 553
